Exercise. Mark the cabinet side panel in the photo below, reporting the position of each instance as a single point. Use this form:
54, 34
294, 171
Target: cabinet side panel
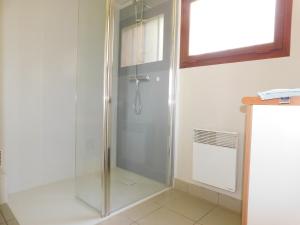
274, 183
248, 133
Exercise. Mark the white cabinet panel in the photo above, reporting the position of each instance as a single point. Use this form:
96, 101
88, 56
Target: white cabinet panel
274, 178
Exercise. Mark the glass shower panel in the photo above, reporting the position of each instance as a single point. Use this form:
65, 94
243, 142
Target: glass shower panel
140, 157
89, 121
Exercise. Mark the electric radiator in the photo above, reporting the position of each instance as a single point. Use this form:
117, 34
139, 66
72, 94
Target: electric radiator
215, 158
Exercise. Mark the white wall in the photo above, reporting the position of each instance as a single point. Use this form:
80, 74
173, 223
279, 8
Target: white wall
38, 88
3, 196
210, 98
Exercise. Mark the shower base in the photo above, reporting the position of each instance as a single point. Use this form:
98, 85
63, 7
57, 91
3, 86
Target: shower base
56, 204
125, 187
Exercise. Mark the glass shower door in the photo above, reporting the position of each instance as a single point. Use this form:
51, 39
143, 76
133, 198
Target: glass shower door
89, 120
141, 81
134, 123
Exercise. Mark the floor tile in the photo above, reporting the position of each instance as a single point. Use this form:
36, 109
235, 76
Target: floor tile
1, 219
204, 193
221, 216
12, 222
166, 196
141, 210
189, 206
230, 203
6, 212
117, 220
164, 216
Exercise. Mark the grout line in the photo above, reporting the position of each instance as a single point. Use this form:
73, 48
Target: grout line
6, 221
148, 214
209, 212
180, 214
164, 206
2, 213
133, 205
196, 221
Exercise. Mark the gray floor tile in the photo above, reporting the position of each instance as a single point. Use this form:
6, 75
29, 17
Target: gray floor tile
164, 216
190, 206
2, 221
166, 196
169, 208
221, 216
6, 212
13, 222
117, 220
6, 216
141, 210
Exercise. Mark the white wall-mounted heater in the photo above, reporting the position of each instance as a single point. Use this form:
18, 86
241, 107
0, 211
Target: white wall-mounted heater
215, 158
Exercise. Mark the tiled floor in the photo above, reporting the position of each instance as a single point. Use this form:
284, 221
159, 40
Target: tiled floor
175, 208
56, 205
6, 216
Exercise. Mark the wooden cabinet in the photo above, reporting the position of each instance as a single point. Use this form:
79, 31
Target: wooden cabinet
272, 163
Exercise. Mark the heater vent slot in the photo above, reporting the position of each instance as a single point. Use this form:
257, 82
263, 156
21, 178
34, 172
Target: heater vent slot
222, 139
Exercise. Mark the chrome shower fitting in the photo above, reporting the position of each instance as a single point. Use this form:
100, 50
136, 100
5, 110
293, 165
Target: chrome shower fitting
137, 106
140, 5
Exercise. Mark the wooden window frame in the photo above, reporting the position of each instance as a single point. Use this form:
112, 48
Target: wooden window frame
279, 48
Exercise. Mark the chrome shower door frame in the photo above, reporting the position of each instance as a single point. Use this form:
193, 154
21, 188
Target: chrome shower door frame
107, 100
107, 109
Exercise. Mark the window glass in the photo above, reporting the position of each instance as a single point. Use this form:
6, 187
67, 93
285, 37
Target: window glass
143, 42
218, 25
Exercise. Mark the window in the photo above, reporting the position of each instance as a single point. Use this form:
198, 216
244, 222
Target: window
143, 42
223, 31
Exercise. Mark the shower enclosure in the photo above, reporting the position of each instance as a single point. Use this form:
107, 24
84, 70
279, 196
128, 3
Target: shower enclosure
125, 101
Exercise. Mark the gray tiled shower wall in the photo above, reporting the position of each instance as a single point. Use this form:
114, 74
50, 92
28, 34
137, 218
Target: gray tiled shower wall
142, 140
